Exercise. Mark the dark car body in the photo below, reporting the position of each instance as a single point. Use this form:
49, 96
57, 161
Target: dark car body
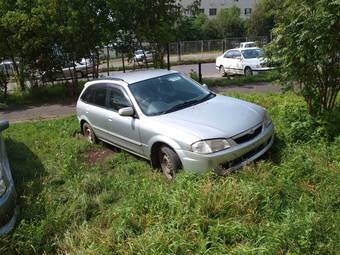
7, 189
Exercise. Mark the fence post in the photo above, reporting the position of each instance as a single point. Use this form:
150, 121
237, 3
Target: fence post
179, 51
108, 60
200, 72
202, 46
168, 55
123, 62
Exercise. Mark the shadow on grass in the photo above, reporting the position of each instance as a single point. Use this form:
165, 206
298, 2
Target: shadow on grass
28, 172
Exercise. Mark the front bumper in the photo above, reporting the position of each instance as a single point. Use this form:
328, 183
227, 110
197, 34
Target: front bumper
8, 210
235, 157
261, 69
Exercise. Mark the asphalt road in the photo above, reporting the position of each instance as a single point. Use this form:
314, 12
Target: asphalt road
208, 71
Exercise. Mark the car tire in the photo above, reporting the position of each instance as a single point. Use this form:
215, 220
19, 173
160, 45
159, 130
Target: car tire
222, 71
79, 74
248, 71
89, 134
169, 162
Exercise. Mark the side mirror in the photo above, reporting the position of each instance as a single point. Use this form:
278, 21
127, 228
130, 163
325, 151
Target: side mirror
3, 125
239, 57
126, 111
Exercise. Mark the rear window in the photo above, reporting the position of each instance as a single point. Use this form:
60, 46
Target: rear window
87, 96
95, 94
100, 96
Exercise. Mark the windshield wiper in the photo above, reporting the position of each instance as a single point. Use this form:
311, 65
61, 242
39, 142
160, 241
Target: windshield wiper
188, 103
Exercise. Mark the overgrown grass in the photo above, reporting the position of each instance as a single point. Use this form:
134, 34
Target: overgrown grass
285, 203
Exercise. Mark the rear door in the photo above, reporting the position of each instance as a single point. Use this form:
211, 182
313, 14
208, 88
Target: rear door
95, 109
227, 61
123, 130
237, 62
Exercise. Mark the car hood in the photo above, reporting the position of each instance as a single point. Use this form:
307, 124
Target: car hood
218, 117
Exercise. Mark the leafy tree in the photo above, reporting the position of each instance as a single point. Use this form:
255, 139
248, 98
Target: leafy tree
306, 45
262, 19
229, 22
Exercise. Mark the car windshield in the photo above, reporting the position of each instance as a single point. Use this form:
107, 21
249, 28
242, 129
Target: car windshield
168, 93
138, 52
252, 53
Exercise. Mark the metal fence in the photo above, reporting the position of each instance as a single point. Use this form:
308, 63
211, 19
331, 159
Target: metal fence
184, 51
201, 51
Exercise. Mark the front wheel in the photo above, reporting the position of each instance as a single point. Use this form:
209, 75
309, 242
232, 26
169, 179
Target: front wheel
169, 162
248, 71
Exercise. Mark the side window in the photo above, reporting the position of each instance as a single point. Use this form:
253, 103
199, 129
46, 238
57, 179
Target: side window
100, 95
236, 54
117, 99
228, 54
87, 96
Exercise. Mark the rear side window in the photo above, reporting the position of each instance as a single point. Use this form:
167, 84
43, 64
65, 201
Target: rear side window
236, 54
87, 96
100, 96
228, 54
117, 99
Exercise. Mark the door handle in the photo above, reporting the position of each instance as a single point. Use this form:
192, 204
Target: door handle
87, 110
109, 119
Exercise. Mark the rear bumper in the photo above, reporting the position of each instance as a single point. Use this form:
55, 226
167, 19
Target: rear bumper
8, 210
234, 157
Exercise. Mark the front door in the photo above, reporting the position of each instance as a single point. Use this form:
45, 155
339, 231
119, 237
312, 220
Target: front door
123, 130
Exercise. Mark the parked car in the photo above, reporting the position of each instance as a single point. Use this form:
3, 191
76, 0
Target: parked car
174, 122
79, 69
248, 44
7, 190
139, 56
243, 61
7, 68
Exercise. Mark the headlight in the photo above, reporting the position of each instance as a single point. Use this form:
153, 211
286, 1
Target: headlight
2, 187
210, 146
267, 119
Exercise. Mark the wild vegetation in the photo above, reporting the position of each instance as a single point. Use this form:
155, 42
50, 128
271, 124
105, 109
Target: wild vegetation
306, 47
287, 202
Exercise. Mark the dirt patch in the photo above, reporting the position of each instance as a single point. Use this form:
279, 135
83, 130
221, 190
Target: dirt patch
98, 155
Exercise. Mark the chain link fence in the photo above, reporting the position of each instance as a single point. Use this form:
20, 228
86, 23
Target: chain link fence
180, 52
184, 52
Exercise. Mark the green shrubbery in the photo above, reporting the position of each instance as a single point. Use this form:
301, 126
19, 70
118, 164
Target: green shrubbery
287, 202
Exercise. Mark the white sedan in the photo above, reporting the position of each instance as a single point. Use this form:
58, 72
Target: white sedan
244, 61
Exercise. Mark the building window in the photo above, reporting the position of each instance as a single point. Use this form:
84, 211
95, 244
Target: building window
235, 0
247, 11
201, 10
212, 12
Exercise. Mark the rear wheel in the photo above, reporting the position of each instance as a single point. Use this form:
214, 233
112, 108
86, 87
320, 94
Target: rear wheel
222, 71
88, 133
248, 71
79, 74
169, 162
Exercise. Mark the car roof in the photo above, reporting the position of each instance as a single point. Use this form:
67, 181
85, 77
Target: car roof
250, 48
136, 76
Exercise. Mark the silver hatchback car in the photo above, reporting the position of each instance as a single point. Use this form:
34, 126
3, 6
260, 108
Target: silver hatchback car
174, 122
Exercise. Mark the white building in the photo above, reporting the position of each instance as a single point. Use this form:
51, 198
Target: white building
212, 7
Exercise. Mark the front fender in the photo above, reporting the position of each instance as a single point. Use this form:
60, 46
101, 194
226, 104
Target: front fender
162, 139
